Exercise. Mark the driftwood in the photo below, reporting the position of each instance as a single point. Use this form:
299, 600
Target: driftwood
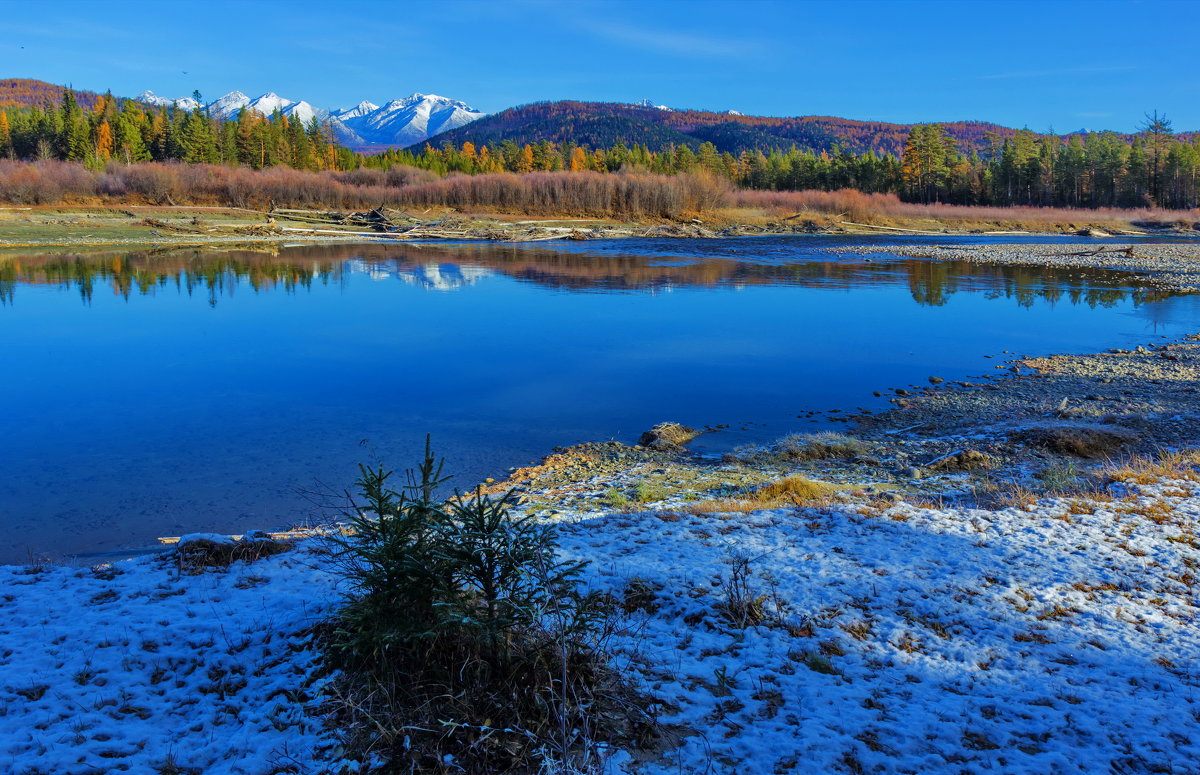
885, 228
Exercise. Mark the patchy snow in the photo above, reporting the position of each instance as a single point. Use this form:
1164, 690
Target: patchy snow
125, 667
1061, 638
921, 640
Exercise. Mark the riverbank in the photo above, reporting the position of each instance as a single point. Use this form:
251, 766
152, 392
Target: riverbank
969, 580
81, 227
996, 574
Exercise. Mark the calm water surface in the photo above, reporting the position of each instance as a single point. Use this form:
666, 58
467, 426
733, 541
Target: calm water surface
156, 394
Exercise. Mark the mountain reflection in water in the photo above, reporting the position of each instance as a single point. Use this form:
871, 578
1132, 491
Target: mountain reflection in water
451, 267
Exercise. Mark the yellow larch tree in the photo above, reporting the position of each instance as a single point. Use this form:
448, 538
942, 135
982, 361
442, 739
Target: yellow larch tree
579, 159
525, 160
5, 133
104, 141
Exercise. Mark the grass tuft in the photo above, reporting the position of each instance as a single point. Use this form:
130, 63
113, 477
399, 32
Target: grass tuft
1084, 441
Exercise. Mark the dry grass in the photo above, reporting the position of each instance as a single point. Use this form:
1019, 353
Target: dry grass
1084, 441
802, 447
792, 490
1183, 464
668, 436
795, 490
203, 553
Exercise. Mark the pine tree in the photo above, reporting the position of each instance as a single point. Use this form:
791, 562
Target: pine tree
1158, 137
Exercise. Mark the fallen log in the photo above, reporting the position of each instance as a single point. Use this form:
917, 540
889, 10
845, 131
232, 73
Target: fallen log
885, 228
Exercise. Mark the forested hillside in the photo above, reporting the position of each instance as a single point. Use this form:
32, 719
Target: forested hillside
602, 124
27, 92
962, 163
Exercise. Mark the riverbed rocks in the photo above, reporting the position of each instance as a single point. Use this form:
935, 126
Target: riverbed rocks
1173, 266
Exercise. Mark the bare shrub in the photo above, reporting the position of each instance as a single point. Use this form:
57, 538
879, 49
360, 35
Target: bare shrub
45, 182
152, 182
741, 605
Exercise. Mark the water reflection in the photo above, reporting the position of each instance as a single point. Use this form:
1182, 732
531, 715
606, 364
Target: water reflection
156, 393
447, 268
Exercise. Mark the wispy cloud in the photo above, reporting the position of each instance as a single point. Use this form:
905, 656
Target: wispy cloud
1061, 71
679, 43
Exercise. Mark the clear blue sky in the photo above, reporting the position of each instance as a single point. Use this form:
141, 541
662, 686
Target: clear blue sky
1060, 65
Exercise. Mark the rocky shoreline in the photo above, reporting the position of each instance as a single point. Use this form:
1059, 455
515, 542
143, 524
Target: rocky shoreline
1173, 266
1044, 426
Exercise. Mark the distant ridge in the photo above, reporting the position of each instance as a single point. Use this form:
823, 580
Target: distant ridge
603, 124
27, 92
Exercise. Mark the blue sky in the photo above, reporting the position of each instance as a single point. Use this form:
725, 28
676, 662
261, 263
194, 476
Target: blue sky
1060, 65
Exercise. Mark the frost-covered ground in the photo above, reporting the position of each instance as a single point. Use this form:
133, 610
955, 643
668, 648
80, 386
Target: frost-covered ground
134, 667
1056, 639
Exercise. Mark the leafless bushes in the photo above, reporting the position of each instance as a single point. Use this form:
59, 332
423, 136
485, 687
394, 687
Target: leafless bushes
852, 205
44, 182
578, 193
539, 193
848, 203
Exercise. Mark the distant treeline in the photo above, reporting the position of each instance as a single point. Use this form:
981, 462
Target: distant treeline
128, 131
1154, 168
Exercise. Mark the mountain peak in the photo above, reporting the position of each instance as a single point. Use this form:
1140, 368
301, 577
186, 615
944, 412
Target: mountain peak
400, 122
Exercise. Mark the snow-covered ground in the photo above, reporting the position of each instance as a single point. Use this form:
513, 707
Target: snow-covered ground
131, 667
920, 640
1057, 639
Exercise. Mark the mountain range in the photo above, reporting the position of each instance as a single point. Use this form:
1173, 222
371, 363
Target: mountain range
364, 127
410, 122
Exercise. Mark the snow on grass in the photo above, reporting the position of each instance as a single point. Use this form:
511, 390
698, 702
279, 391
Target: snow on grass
1061, 639
134, 666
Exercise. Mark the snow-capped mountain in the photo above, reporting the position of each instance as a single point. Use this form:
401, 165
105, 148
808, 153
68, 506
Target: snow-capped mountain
183, 103
412, 119
647, 103
401, 122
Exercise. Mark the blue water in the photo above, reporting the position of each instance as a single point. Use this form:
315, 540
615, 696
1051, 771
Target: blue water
149, 395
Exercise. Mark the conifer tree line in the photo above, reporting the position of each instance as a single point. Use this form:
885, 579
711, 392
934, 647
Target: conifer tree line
127, 131
1154, 168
